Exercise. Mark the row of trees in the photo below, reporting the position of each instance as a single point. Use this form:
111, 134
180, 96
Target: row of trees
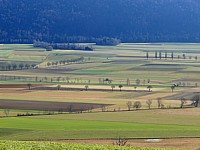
86, 87
127, 81
195, 101
64, 62
159, 55
14, 66
45, 79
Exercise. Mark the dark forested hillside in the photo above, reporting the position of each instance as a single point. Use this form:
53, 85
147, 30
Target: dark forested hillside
22, 21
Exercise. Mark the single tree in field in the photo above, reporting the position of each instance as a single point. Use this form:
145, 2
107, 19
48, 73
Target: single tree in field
149, 103
149, 80
135, 88
129, 105
128, 82
165, 55
29, 85
172, 55
137, 105
86, 87
172, 88
120, 87
183, 101
196, 58
156, 54
196, 84
59, 87
159, 102
112, 87
184, 56
196, 100
103, 108
137, 81
48, 64
149, 87
6, 112
160, 55
147, 55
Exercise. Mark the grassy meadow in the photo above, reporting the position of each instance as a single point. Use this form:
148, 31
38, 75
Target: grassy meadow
126, 65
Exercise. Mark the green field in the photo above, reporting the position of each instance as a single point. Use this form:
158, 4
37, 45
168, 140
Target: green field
66, 127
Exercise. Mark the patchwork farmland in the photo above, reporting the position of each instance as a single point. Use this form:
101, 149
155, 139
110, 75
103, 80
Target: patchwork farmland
136, 91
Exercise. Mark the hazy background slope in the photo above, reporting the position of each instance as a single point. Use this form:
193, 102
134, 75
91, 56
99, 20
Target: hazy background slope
23, 21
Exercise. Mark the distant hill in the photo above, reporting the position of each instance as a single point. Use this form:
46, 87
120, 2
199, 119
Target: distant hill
22, 21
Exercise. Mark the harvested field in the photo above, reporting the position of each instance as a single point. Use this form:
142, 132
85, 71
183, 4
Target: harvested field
48, 106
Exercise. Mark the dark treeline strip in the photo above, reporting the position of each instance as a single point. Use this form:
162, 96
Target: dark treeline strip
75, 45
62, 46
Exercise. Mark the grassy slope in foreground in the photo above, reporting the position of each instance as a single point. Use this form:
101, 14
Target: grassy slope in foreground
12, 145
54, 129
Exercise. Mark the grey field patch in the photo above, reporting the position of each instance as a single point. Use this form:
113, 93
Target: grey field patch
186, 95
48, 106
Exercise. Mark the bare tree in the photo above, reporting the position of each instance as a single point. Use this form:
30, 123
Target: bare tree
112, 87
196, 100
129, 105
103, 108
137, 81
149, 103
162, 106
137, 105
29, 85
70, 108
59, 87
183, 101
6, 112
120, 141
159, 102
128, 82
